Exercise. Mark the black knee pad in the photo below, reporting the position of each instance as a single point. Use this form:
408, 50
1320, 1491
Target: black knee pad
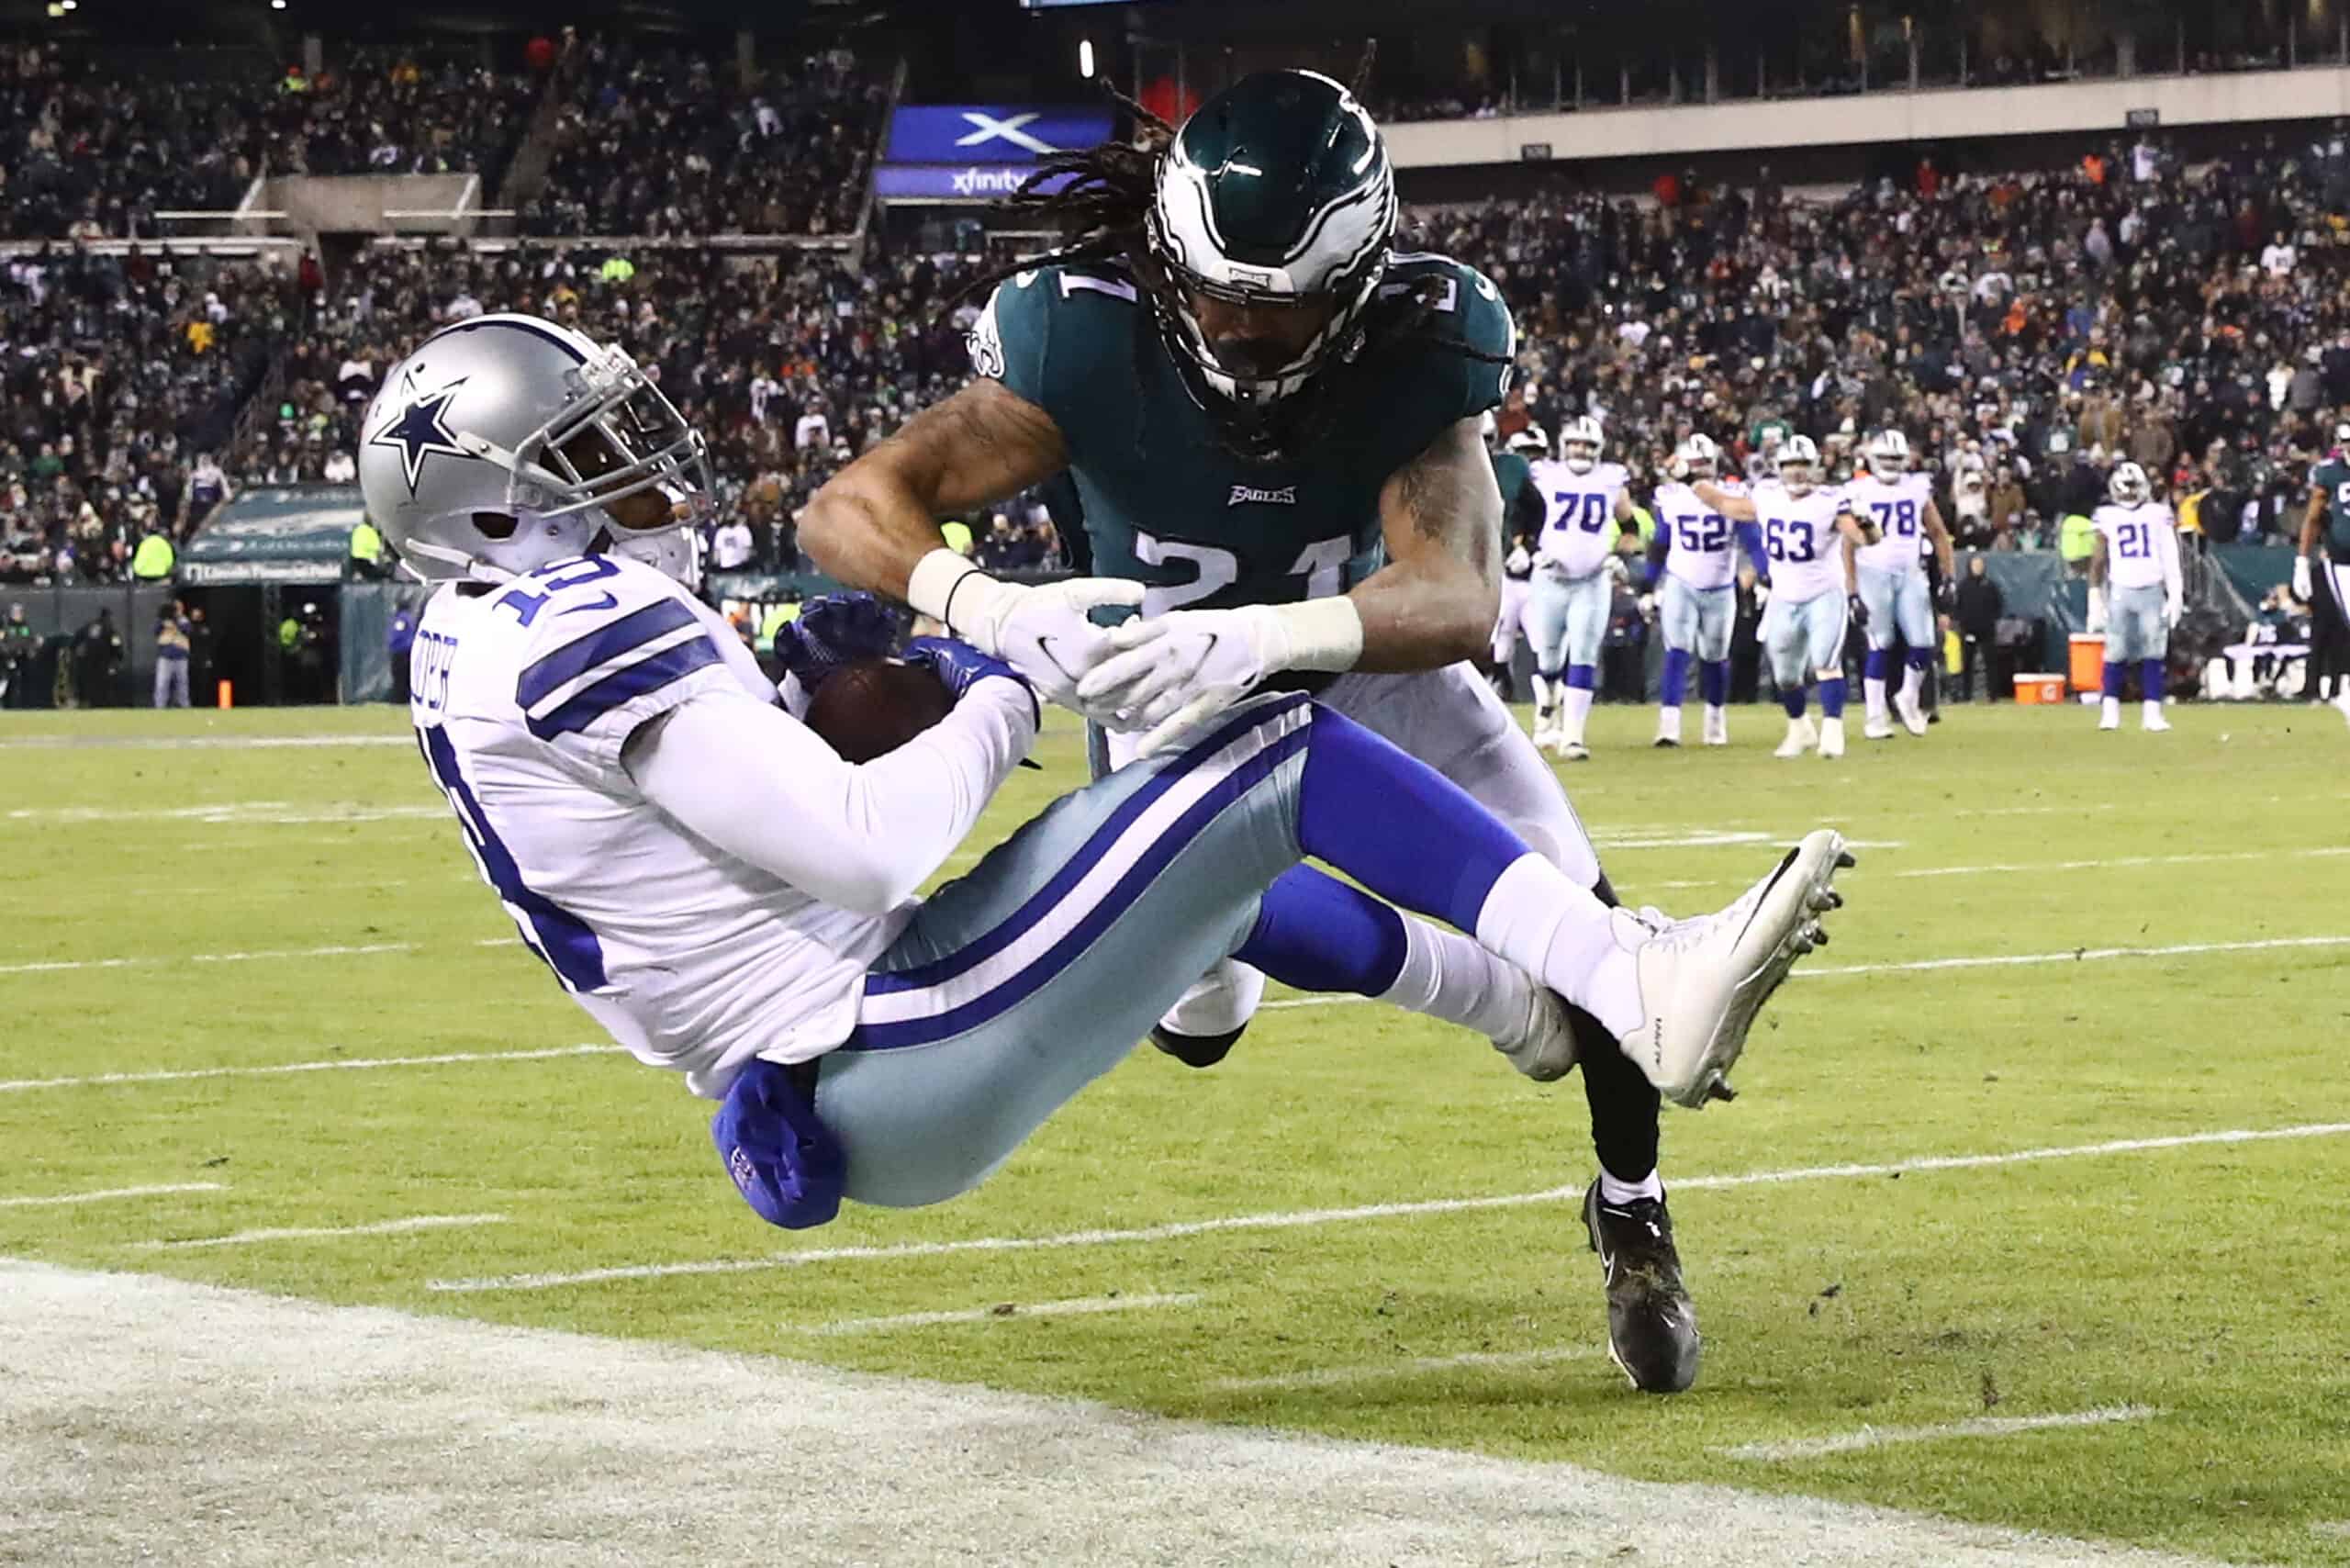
1195, 1050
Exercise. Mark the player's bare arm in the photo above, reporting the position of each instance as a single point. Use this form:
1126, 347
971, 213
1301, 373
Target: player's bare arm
874, 521
873, 526
1854, 537
1435, 602
1945, 552
1737, 508
2313, 527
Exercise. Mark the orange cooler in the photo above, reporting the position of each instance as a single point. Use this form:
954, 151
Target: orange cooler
2087, 659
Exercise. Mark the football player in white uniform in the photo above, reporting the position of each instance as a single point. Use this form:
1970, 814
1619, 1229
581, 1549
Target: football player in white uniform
2136, 592
1804, 530
732, 900
1585, 503
1697, 600
1898, 505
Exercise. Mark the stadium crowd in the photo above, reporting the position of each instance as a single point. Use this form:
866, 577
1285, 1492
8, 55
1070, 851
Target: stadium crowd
2026, 329
667, 143
93, 148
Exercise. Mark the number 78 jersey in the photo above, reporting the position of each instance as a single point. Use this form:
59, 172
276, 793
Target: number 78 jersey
1897, 509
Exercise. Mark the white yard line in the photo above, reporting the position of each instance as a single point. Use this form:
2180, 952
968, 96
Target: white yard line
2111, 861
1002, 1312
108, 1194
1375, 1372
2067, 809
318, 1232
270, 1070
197, 743
363, 1413
227, 813
1299, 1219
338, 950
1976, 1426
2070, 956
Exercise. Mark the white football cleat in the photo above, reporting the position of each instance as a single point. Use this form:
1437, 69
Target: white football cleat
1573, 751
1802, 735
1668, 726
1703, 981
2109, 716
1543, 1047
1878, 728
1544, 735
2153, 720
1913, 714
1831, 738
1717, 724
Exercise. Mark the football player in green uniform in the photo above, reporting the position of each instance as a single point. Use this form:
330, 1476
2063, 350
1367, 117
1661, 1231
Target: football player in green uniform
1273, 424
2328, 523
1522, 517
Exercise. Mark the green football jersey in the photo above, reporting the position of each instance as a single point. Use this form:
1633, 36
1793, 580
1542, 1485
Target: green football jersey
1165, 503
2333, 476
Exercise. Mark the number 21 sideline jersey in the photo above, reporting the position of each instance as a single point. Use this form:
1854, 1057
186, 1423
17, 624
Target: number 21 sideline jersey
522, 698
1165, 503
1897, 507
2140, 543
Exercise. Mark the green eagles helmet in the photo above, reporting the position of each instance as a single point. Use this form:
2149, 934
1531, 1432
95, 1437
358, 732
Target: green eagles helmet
1277, 191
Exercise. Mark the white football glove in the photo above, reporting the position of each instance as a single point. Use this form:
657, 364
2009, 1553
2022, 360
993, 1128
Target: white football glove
2096, 609
1043, 632
2302, 584
1171, 674
2173, 610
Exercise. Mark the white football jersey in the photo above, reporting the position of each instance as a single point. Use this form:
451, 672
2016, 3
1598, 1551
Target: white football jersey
1897, 507
1577, 511
1705, 544
2140, 543
1799, 533
522, 696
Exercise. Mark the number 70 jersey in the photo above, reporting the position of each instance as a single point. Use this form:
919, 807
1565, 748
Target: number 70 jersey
1578, 514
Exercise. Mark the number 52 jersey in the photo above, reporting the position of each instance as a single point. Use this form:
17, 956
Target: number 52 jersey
523, 695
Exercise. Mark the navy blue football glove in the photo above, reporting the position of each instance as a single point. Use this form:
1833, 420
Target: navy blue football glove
1857, 610
835, 629
787, 1164
959, 667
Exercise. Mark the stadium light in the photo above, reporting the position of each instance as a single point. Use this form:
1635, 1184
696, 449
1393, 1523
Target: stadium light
69, 4
1085, 58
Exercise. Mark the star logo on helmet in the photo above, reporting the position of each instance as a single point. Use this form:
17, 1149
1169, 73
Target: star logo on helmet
421, 428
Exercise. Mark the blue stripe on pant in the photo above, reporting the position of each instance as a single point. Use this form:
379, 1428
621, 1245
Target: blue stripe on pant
2137, 625
1017, 985
1566, 618
1694, 619
1898, 601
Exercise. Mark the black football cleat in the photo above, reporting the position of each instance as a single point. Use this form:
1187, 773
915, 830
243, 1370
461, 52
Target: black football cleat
1195, 1050
1651, 1323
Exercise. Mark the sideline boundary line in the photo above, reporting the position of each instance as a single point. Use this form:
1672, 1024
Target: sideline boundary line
1975, 1426
165, 1189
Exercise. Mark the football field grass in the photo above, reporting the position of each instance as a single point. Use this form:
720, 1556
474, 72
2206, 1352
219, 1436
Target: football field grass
2033, 1210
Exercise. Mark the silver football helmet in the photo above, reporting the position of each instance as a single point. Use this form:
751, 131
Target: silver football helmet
1529, 441
1799, 465
2129, 486
1888, 454
506, 441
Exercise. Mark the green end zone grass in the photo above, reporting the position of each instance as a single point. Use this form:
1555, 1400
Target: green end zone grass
2209, 1283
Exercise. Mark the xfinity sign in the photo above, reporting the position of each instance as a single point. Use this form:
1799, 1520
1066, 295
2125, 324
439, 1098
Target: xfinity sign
992, 133
945, 182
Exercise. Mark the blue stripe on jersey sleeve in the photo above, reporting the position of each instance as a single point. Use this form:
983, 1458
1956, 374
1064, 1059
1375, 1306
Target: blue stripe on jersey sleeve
605, 643
624, 686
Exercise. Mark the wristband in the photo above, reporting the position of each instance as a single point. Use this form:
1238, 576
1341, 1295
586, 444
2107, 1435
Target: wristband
1322, 634
930, 586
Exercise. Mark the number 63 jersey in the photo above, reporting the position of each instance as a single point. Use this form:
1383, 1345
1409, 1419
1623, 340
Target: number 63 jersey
1165, 503
523, 695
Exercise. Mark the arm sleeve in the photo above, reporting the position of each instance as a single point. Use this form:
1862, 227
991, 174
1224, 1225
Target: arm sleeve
766, 788
1750, 535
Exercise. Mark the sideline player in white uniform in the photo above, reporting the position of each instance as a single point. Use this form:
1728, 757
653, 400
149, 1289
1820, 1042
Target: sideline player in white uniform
1899, 506
1585, 505
1528, 444
734, 901
1804, 529
2136, 592
1698, 604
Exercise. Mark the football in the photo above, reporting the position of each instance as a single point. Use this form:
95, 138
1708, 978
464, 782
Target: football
872, 707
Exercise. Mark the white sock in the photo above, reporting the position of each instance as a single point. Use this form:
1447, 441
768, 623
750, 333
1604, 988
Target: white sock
2111, 711
1578, 711
1448, 976
1717, 717
1912, 680
1536, 917
1611, 1191
2151, 710
1546, 700
1874, 691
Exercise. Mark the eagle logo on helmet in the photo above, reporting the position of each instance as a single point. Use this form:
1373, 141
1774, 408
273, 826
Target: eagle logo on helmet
422, 428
